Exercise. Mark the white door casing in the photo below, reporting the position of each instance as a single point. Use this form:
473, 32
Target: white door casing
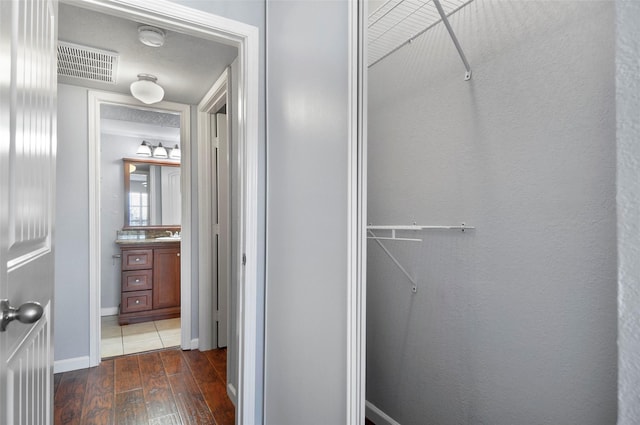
28, 32
216, 98
223, 226
95, 100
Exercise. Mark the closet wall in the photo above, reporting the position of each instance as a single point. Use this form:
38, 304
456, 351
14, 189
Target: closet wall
513, 322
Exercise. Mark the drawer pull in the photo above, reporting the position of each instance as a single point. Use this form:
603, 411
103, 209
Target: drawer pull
137, 259
137, 280
137, 301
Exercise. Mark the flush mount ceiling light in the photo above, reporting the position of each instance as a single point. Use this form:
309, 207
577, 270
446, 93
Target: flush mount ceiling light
146, 90
151, 36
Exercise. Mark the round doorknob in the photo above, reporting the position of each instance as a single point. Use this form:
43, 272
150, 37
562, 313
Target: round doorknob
29, 312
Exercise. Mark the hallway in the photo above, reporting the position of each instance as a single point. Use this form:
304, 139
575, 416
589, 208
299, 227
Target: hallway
161, 387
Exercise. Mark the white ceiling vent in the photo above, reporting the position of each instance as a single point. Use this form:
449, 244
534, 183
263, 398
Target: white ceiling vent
87, 63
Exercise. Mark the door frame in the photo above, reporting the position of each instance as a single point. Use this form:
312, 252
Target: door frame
97, 98
357, 212
216, 97
245, 37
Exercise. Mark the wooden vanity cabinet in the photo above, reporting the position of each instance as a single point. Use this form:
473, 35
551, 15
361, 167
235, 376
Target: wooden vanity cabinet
150, 282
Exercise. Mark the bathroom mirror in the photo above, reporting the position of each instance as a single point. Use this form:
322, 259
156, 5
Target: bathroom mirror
152, 193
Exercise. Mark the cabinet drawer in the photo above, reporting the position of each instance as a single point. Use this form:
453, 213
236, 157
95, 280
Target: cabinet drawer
135, 259
137, 280
136, 301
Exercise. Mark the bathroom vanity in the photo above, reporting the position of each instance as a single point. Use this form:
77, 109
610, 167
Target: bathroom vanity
150, 280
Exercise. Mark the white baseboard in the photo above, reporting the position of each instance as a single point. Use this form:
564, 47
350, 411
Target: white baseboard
232, 393
108, 311
67, 365
195, 343
377, 416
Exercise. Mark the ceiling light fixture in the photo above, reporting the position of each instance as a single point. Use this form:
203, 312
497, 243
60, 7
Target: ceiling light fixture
151, 36
146, 90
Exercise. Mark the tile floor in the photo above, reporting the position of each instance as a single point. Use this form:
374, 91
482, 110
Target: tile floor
139, 337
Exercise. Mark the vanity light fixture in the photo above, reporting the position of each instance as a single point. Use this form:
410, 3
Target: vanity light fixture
175, 153
144, 149
149, 150
146, 90
160, 152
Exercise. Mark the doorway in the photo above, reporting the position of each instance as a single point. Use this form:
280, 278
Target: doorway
98, 101
141, 210
245, 39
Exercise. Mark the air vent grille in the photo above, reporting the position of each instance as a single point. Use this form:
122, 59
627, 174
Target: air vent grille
87, 63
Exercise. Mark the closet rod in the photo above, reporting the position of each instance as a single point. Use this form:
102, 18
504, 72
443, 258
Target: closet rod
462, 227
445, 20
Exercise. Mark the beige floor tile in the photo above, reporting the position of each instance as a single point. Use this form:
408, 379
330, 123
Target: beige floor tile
138, 328
166, 324
169, 332
111, 331
140, 346
111, 341
170, 340
147, 336
111, 349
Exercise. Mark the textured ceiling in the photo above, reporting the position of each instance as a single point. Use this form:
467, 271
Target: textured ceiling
186, 66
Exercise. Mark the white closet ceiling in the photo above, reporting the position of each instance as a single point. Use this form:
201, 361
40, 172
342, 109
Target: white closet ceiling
397, 22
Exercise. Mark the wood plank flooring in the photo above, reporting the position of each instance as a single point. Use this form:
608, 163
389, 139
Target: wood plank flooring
167, 387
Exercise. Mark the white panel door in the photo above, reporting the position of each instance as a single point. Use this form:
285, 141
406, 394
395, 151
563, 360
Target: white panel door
27, 178
224, 247
171, 198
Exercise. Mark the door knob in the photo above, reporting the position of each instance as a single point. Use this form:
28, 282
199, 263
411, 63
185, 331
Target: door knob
29, 312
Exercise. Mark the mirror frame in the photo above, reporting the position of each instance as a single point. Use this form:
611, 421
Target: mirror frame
127, 186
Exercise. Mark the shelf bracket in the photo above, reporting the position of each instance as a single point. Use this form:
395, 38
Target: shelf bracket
414, 283
445, 20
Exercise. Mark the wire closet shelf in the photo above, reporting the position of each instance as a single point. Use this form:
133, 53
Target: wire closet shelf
394, 237
398, 22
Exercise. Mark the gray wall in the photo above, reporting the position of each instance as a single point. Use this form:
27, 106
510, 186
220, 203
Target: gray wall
305, 380
71, 335
112, 150
627, 107
515, 322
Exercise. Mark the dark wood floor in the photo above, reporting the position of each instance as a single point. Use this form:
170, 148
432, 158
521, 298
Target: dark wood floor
167, 387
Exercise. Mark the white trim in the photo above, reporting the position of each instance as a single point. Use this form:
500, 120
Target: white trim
245, 37
207, 296
377, 416
108, 311
194, 344
356, 231
68, 365
95, 99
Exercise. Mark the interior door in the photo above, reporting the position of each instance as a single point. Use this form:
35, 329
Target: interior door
222, 180
28, 79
